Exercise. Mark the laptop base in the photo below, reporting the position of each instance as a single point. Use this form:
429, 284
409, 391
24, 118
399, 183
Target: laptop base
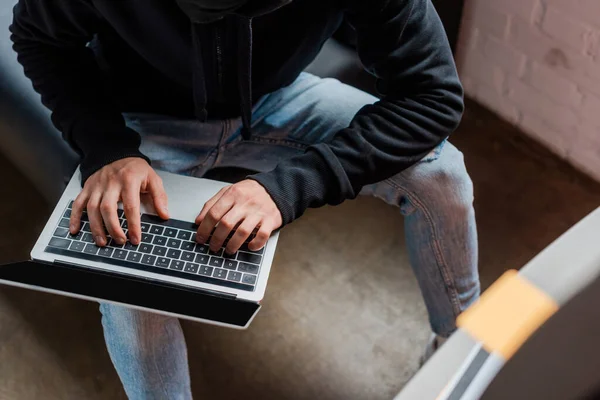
174, 300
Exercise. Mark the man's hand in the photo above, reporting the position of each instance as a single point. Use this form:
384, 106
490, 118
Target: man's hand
122, 180
242, 207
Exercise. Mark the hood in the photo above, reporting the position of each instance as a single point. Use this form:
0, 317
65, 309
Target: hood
205, 11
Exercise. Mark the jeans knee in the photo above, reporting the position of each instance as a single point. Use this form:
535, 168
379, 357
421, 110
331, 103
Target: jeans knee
435, 184
447, 178
455, 181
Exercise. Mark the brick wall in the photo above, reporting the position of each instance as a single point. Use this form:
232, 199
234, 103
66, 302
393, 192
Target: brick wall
537, 64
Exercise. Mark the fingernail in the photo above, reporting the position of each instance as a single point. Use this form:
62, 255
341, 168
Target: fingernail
73, 227
133, 239
120, 240
200, 239
99, 240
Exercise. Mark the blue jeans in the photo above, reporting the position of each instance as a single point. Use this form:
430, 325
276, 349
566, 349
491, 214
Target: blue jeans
435, 197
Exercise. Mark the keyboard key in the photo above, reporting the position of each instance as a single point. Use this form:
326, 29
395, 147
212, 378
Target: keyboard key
148, 259
178, 265
184, 235
193, 238
189, 246
160, 240
71, 203
87, 237
253, 258
120, 213
191, 267
159, 251
130, 246
187, 256
234, 276
91, 249
229, 264
216, 262
147, 238
201, 248
61, 232
146, 248
64, 223
60, 243
114, 244
124, 224
120, 254
217, 253
174, 243
220, 273
86, 227
202, 258
244, 247
245, 267
206, 270
172, 253
249, 279
156, 230
79, 236
228, 256
145, 227
84, 216
77, 246
105, 251
163, 262
170, 232
67, 214
133, 256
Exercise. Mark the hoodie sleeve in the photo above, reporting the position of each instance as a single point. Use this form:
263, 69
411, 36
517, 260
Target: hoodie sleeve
404, 45
50, 38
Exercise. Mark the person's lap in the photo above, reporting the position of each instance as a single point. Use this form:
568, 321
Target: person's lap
434, 196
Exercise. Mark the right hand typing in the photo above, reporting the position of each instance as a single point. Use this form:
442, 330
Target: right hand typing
122, 180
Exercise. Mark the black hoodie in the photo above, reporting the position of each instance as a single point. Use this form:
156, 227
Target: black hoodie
91, 60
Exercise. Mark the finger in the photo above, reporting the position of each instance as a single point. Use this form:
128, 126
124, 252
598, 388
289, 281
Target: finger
96, 224
228, 223
209, 204
242, 233
78, 207
159, 196
263, 234
213, 216
131, 206
108, 209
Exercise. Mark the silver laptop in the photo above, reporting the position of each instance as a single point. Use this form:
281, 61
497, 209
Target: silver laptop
167, 273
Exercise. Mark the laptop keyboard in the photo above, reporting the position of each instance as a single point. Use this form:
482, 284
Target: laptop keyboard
167, 247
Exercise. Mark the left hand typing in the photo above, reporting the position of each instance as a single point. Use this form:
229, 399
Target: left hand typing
243, 207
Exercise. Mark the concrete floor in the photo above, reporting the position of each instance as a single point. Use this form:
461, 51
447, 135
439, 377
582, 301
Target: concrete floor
330, 328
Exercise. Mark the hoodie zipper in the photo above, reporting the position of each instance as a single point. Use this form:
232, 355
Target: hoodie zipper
219, 51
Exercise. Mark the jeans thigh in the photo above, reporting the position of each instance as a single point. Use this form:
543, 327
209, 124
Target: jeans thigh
182, 146
309, 111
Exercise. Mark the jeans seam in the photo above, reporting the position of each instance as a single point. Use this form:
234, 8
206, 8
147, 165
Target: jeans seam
280, 142
158, 372
198, 168
442, 265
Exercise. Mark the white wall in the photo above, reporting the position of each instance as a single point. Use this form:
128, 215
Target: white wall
537, 64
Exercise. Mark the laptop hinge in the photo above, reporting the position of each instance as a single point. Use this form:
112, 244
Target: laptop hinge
184, 286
